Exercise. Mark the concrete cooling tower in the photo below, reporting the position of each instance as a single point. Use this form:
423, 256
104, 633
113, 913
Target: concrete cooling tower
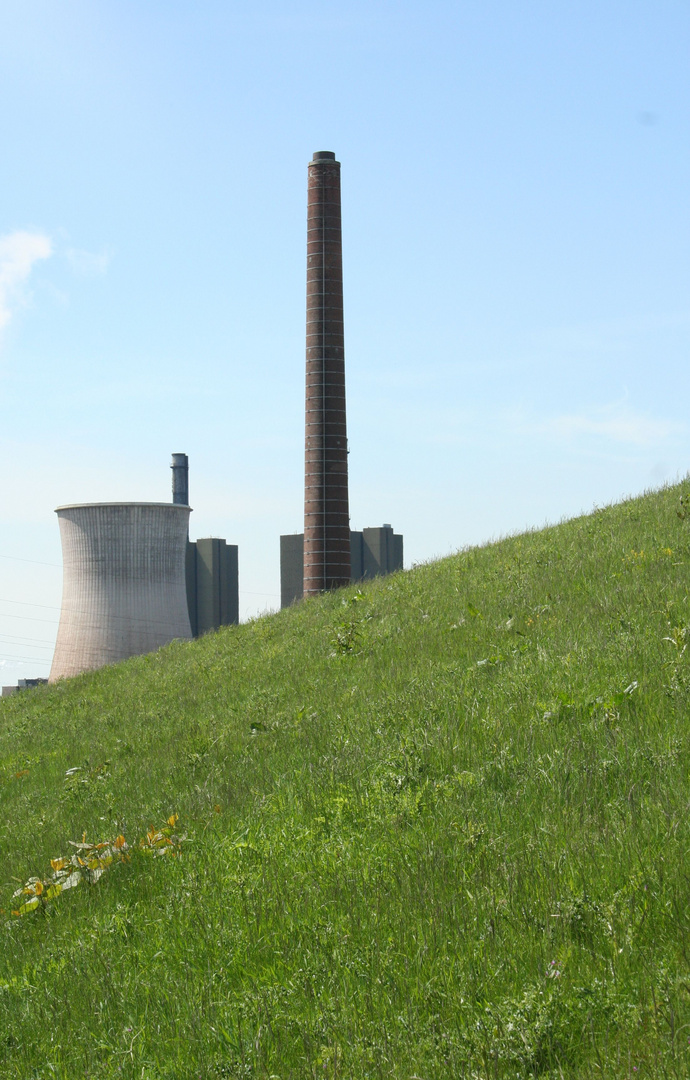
124, 590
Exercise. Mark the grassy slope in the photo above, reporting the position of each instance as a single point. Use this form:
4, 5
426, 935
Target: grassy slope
432, 836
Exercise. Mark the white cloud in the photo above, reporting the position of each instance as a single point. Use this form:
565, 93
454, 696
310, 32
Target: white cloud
88, 263
18, 253
617, 422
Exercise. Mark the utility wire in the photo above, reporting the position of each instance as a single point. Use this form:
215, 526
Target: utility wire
25, 643
36, 562
29, 618
27, 603
24, 659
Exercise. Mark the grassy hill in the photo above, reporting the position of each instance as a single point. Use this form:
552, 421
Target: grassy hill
437, 827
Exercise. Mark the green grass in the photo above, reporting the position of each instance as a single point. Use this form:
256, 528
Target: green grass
438, 828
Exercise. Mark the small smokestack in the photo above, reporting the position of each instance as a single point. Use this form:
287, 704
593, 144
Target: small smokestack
180, 479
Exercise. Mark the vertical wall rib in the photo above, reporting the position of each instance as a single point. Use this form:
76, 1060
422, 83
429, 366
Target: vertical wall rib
326, 505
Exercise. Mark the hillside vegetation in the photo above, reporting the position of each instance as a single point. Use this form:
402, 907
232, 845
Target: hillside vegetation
436, 827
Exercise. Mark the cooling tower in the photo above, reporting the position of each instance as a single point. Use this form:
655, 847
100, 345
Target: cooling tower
123, 590
326, 506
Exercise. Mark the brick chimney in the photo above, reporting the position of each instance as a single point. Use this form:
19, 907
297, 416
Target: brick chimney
326, 505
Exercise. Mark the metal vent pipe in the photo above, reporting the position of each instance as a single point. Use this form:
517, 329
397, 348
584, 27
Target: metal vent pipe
326, 504
180, 479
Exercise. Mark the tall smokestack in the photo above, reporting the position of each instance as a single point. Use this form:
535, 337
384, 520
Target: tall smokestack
326, 505
180, 479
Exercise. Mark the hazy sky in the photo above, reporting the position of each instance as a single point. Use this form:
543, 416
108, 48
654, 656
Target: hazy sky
517, 287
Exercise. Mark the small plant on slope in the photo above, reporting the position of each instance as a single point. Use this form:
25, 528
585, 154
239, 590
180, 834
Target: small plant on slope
90, 861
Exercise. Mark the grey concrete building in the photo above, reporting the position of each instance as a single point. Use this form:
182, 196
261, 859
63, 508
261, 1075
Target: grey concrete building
212, 580
22, 684
124, 585
374, 552
291, 568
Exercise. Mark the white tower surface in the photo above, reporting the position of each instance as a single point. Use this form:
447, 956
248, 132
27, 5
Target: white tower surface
123, 589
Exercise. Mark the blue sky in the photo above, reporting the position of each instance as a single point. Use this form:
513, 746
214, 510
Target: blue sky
517, 283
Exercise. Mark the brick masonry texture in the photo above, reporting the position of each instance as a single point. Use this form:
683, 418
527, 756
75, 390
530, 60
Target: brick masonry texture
326, 504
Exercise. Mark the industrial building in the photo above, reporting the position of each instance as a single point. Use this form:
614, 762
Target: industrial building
212, 584
133, 581
22, 684
374, 552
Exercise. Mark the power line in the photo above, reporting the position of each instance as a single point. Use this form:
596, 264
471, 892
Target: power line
35, 660
25, 643
112, 618
27, 603
29, 618
36, 562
